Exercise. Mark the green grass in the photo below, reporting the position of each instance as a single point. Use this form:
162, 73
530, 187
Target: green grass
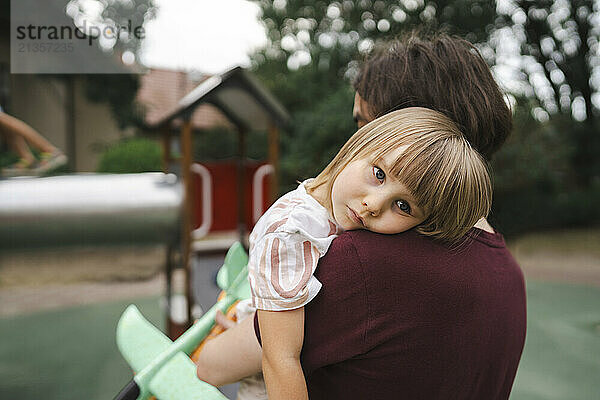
66, 354
71, 354
561, 359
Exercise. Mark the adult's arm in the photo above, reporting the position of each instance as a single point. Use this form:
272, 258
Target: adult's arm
231, 356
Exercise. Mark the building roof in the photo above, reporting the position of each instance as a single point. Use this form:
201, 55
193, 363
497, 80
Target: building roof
162, 89
238, 95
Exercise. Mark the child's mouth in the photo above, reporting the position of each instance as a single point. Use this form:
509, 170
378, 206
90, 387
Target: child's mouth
355, 217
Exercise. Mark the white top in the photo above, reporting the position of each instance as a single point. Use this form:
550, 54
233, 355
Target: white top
285, 246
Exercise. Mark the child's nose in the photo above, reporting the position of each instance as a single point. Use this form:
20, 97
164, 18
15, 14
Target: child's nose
373, 204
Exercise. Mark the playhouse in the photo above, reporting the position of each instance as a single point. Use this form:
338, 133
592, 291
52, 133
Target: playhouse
222, 200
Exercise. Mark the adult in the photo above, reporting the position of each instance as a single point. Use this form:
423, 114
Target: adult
403, 315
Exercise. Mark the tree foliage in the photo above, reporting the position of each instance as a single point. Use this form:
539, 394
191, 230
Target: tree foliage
326, 38
559, 41
331, 34
118, 91
115, 14
535, 180
312, 53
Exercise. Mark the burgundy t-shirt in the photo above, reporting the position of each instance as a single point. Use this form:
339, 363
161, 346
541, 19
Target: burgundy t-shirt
403, 316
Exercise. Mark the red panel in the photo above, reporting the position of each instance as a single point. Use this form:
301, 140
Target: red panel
224, 198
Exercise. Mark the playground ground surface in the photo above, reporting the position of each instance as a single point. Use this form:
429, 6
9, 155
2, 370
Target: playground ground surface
58, 313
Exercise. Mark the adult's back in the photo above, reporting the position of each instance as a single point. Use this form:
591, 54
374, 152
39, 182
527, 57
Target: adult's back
402, 316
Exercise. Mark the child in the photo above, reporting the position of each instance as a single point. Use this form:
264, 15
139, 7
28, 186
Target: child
18, 134
411, 168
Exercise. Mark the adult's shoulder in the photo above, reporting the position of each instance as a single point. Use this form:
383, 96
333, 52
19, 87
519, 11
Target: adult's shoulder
360, 253
367, 246
341, 263
363, 239
412, 257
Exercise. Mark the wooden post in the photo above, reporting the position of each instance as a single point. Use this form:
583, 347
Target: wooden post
241, 184
166, 161
166, 147
174, 330
171, 331
186, 164
273, 144
70, 122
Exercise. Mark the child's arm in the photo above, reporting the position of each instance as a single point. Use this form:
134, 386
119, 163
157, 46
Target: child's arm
282, 335
231, 356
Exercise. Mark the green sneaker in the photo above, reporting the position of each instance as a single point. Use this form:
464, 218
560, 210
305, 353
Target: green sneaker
49, 162
22, 167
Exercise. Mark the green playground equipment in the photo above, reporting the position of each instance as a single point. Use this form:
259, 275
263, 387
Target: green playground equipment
163, 368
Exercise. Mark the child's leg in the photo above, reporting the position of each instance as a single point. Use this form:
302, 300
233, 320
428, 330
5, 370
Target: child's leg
15, 127
19, 146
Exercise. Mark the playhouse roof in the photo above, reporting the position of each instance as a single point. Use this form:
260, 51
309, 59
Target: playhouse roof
160, 91
238, 95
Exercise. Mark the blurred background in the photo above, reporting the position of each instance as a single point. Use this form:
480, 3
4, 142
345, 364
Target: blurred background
60, 300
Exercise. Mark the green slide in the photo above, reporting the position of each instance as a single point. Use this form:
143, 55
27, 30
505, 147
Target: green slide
163, 368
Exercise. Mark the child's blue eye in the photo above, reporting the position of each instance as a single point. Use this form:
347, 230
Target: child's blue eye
379, 174
403, 206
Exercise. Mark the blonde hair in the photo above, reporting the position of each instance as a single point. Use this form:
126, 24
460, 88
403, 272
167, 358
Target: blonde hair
447, 177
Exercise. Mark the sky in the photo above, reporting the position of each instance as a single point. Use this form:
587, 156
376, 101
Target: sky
209, 36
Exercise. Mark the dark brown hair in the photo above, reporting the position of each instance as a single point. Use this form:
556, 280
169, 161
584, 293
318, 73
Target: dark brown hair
443, 73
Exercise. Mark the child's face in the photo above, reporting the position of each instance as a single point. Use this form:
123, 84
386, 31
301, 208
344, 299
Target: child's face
365, 197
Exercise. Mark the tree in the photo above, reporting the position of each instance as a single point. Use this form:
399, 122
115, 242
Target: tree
311, 57
559, 42
329, 36
117, 90
121, 16
312, 53
323, 29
